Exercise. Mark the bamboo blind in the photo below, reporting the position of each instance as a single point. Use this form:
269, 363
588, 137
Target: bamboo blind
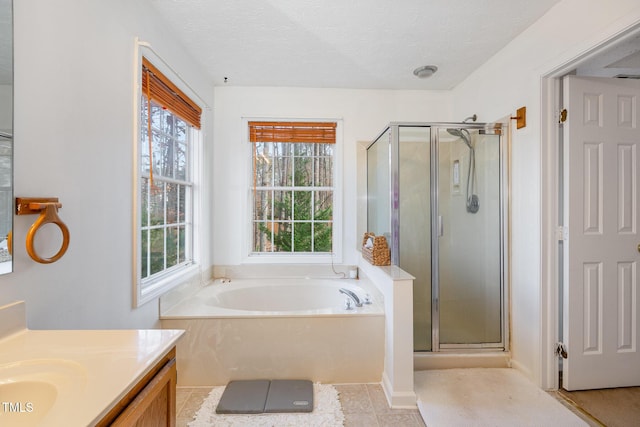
161, 90
305, 132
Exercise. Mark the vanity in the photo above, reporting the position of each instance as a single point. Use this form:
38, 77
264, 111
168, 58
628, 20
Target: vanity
85, 377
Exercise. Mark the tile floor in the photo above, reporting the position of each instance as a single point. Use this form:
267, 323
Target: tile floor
363, 405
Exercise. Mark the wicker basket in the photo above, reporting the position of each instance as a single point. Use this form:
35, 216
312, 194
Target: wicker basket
379, 254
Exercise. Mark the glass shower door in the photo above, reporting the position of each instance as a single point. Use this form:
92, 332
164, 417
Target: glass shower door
379, 186
469, 239
414, 219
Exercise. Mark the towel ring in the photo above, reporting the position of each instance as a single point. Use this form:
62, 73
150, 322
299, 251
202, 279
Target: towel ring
48, 214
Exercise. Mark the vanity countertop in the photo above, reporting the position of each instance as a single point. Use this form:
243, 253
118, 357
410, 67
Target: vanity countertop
90, 369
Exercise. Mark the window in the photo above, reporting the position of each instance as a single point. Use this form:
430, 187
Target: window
293, 194
169, 130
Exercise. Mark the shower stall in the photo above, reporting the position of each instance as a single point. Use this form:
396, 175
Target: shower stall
438, 193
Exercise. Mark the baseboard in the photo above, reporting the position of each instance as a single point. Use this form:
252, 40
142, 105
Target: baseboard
526, 372
398, 399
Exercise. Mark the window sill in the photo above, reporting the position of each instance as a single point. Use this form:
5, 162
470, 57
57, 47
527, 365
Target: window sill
159, 287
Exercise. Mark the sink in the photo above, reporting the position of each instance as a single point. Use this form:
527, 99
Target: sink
26, 402
31, 390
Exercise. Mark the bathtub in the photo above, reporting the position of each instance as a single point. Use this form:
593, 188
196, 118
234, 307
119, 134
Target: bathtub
278, 329
276, 298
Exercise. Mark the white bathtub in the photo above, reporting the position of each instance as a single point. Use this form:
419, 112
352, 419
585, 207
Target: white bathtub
279, 329
277, 297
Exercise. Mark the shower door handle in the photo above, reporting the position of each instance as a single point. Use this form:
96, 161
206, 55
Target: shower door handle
440, 226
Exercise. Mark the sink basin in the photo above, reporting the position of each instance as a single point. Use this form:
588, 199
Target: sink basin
30, 390
25, 402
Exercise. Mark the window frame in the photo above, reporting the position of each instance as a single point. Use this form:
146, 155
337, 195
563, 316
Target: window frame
250, 257
152, 287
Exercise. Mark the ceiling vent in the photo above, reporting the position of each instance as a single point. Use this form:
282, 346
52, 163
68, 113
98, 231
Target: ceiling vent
628, 76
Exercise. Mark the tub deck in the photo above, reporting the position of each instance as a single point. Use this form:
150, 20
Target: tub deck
205, 302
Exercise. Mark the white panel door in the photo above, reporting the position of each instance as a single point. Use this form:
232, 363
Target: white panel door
601, 165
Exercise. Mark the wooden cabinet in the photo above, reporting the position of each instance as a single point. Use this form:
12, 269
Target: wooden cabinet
152, 401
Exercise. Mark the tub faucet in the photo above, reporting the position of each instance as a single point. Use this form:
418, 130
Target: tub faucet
351, 295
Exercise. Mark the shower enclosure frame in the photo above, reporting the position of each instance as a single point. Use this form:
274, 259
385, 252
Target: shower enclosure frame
502, 129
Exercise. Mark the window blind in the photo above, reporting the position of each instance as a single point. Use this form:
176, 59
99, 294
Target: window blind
160, 89
305, 132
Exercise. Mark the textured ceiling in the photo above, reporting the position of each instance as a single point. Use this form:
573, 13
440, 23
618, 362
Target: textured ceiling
346, 43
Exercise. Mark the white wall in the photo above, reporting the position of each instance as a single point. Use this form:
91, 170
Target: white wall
509, 80
365, 113
74, 68
6, 115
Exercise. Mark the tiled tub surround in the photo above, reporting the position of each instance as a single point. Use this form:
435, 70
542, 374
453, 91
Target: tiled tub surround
90, 370
323, 343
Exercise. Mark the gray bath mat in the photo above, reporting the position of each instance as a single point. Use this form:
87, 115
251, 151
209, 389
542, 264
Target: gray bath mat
244, 397
327, 411
264, 396
289, 396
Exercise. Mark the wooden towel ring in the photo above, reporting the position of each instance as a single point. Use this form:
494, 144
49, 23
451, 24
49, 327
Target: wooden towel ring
48, 214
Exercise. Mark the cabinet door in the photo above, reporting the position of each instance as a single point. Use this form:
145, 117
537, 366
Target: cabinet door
155, 405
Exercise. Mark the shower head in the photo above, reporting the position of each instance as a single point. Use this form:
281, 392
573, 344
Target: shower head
473, 202
461, 133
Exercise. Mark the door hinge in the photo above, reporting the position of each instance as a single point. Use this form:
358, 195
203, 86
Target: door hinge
563, 116
562, 233
560, 350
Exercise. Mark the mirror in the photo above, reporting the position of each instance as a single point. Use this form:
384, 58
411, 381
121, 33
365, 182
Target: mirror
6, 132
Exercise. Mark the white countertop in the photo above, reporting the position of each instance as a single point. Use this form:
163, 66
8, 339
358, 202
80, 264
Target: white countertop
91, 369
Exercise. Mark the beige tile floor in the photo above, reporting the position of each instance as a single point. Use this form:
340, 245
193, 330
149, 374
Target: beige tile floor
362, 404
365, 405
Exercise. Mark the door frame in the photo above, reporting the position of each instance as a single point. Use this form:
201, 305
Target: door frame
550, 205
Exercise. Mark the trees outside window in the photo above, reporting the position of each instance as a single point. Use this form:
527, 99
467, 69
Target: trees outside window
165, 180
293, 192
